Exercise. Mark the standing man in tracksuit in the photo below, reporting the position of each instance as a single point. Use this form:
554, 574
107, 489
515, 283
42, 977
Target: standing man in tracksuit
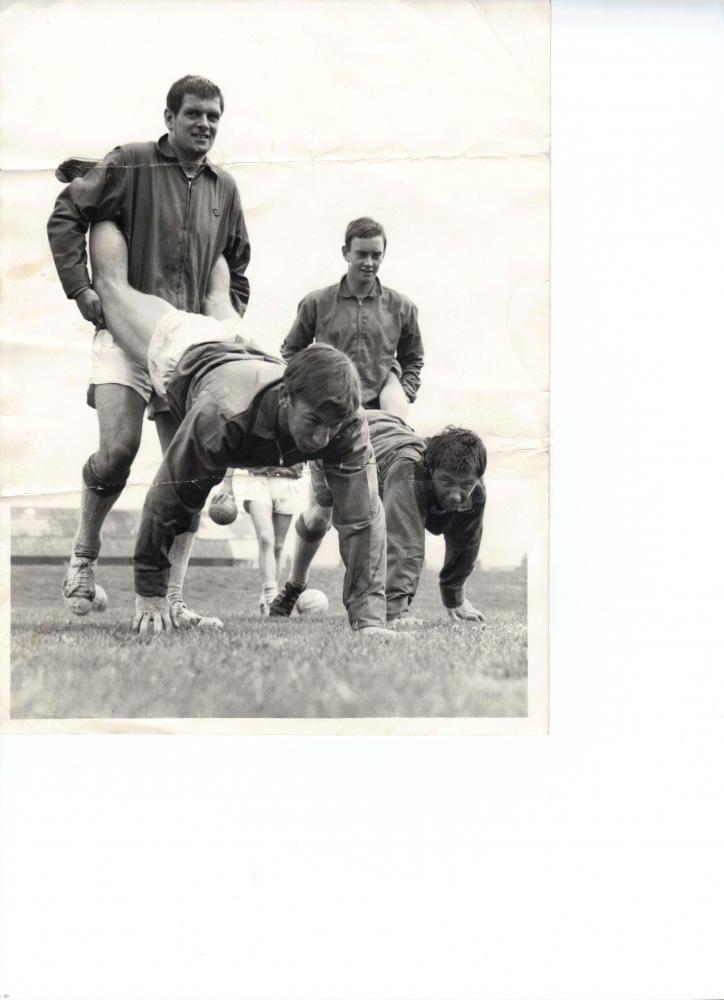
179, 214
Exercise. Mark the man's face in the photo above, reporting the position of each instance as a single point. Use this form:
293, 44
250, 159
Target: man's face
311, 430
451, 491
194, 128
364, 257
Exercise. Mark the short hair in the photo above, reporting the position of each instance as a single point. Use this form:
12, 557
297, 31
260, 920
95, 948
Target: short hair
457, 450
199, 86
364, 228
326, 379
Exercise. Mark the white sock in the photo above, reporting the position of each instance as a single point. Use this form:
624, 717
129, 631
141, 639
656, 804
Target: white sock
179, 556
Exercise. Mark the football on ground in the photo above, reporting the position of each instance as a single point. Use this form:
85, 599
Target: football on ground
312, 602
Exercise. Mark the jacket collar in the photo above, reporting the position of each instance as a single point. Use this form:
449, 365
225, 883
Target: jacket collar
166, 152
345, 293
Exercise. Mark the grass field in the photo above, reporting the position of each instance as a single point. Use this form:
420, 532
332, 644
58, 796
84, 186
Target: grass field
64, 667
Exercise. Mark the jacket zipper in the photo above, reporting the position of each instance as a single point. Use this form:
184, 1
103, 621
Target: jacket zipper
182, 262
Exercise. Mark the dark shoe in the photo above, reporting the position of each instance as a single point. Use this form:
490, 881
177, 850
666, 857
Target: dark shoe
283, 604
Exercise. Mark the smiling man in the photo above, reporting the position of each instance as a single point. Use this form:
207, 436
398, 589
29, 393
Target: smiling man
179, 214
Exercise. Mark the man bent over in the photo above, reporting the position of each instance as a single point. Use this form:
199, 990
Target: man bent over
434, 485
240, 408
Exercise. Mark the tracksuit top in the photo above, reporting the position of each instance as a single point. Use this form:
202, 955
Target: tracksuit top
175, 228
379, 333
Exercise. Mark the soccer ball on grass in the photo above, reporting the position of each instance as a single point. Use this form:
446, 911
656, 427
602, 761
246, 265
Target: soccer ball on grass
312, 602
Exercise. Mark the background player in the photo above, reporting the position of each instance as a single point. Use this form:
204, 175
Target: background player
434, 485
237, 407
270, 497
178, 213
375, 326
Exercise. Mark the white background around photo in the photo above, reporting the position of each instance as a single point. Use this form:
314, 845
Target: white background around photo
580, 866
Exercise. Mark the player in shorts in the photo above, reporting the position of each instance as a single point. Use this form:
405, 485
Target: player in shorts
270, 500
237, 407
179, 213
433, 485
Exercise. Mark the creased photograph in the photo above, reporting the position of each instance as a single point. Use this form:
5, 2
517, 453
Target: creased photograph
275, 284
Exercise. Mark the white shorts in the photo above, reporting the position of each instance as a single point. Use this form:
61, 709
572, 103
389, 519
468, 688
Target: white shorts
110, 365
177, 331
281, 493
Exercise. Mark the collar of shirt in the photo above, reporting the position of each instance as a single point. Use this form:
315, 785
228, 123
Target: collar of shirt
345, 293
271, 424
166, 152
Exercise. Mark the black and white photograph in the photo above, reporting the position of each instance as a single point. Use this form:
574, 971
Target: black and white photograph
296, 468
284, 304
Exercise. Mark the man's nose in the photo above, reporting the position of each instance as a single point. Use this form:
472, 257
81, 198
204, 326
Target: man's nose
321, 438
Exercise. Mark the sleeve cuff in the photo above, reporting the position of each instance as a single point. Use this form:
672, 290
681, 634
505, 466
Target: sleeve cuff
452, 597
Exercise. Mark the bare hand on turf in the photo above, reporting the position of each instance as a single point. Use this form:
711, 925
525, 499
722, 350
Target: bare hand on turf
152, 617
466, 613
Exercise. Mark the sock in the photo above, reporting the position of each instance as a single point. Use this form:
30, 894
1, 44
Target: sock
268, 592
305, 549
179, 556
97, 498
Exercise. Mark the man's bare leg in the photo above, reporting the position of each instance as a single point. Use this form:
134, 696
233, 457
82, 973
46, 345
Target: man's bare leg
217, 302
179, 554
120, 420
131, 316
393, 398
311, 527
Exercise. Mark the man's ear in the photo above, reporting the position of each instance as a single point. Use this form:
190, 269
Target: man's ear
345, 253
168, 117
284, 396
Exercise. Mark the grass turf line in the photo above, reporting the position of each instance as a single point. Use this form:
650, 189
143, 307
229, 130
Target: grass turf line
65, 667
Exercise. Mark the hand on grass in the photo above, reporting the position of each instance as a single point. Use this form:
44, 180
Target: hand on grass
385, 633
152, 616
182, 616
406, 621
466, 613
90, 307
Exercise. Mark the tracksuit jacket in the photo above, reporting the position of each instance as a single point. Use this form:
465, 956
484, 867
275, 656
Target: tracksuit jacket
379, 333
226, 398
175, 228
410, 509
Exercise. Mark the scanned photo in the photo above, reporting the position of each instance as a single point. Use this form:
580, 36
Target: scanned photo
275, 366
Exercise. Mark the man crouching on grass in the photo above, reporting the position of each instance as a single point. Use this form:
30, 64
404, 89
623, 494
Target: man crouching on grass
238, 407
434, 485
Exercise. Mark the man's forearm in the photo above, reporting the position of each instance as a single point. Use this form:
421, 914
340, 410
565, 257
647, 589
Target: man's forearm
410, 377
67, 236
